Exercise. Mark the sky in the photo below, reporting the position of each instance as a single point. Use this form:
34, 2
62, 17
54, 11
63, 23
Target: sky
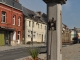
70, 10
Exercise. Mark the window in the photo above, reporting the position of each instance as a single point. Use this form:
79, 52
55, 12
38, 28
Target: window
29, 36
14, 19
37, 34
3, 17
34, 36
19, 19
29, 31
38, 25
45, 27
29, 23
18, 35
33, 24
34, 32
41, 26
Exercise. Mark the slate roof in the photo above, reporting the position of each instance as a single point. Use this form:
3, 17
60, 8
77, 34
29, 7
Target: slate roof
28, 13
43, 19
12, 3
44, 16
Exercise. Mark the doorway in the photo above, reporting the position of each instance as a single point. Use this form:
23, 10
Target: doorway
42, 37
2, 38
7, 38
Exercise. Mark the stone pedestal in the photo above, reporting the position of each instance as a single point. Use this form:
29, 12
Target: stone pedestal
54, 10
52, 45
54, 42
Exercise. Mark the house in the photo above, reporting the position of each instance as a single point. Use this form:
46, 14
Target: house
35, 26
74, 35
66, 34
77, 31
11, 22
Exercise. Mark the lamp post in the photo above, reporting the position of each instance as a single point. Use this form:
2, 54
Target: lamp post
32, 28
32, 33
32, 16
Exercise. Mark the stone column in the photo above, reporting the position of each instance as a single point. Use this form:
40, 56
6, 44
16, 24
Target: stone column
54, 36
54, 42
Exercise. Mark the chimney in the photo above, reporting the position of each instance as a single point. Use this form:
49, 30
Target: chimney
40, 13
17, 1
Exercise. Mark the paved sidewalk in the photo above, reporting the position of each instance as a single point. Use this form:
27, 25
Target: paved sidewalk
71, 52
3, 48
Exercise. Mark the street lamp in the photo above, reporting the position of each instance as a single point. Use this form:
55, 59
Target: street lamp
32, 17
38, 18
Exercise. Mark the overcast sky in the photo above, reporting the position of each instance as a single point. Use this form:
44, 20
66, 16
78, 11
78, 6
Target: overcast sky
71, 10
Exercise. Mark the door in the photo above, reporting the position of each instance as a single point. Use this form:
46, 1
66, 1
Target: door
7, 38
18, 37
1, 38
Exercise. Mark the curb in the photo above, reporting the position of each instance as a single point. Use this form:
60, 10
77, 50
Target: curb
18, 47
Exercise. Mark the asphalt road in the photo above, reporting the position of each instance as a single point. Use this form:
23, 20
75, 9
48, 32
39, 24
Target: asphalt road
18, 53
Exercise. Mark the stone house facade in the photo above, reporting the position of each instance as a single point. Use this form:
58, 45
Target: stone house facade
35, 26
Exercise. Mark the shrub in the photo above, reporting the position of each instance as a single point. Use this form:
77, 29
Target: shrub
34, 53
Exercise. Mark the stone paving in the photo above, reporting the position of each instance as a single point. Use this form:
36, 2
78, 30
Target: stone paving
71, 52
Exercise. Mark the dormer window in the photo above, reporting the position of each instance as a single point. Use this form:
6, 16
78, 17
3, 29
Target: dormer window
31, 15
45, 27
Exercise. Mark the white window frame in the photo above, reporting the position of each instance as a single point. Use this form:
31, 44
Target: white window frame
3, 16
14, 19
19, 20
